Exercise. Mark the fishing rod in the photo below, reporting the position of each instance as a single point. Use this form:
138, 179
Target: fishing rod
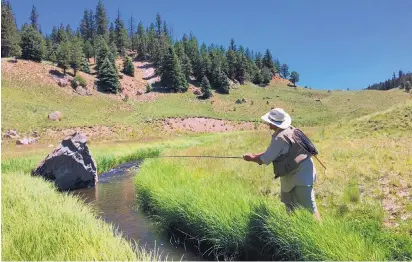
233, 157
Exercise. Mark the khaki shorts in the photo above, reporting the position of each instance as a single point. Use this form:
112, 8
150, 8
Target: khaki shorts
299, 196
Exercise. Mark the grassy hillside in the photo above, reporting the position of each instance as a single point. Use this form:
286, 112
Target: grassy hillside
26, 104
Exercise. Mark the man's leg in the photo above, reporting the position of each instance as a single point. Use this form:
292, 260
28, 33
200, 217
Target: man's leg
305, 196
289, 199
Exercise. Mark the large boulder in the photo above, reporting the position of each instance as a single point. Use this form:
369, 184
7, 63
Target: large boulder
70, 165
55, 116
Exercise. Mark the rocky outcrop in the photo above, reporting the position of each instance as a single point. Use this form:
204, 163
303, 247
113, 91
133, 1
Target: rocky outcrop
70, 166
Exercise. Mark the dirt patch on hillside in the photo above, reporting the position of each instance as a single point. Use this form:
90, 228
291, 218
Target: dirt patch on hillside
201, 124
47, 74
278, 79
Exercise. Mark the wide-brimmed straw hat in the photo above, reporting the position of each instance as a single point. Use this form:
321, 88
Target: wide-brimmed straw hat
278, 117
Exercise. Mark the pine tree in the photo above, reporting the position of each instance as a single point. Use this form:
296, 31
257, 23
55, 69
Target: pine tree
192, 51
108, 80
32, 44
61, 35
85, 66
241, 68
284, 70
277, 66
172, 75
69, 32
258, 78
34, 16
158, 25
101, 20
205, 87
141, 42
51, 51
128, 67
258, 60
84, 26
92, 27
63, 56
232, 45
9, 35
88, 49
113, 50
76, 55
268, 61
165, 28
186, 67
112, 34
131, 33
120, 35
54, 35
102, 51
224, 83
266, 75
231, 64
294, 77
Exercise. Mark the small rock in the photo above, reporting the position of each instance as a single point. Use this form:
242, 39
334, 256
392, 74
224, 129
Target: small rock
26, 141
318, 100
62, 82
197, 92
55, 116
11, 134
81, 91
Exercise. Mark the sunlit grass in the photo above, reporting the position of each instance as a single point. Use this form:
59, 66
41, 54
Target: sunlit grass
232, 208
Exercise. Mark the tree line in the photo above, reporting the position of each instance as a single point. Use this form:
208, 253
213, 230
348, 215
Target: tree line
402, 81
176, 61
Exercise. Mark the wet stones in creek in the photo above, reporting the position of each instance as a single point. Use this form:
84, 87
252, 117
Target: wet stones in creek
70, 166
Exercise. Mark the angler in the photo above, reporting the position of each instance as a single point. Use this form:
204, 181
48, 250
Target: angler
291, 153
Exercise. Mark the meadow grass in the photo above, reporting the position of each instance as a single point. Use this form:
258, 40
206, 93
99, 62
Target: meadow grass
230, 208
38, 223
28, 103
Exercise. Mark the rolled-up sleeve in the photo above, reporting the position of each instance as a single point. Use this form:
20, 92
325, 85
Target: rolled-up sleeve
276, 148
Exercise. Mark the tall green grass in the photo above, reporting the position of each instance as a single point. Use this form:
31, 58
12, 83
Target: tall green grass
231, 210
38, 223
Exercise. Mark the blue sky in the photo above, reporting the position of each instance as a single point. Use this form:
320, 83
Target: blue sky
332, 44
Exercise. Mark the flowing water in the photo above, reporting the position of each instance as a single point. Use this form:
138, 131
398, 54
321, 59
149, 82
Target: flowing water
114, 197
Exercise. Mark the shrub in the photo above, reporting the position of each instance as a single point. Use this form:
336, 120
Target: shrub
78, 80
148, 88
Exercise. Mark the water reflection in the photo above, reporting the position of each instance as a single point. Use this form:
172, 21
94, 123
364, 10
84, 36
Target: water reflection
115, 199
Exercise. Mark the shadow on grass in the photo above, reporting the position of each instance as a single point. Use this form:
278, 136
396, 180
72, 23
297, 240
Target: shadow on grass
158, 88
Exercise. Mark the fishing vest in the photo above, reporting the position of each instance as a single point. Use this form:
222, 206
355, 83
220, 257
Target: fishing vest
290, 161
